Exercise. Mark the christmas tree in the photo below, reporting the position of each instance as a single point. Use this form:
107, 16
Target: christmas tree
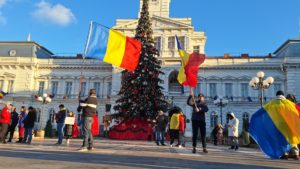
141, 95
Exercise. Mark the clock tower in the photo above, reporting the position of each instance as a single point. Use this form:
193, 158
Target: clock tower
158, 8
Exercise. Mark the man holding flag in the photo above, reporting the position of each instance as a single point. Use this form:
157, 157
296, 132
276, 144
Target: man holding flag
187, 76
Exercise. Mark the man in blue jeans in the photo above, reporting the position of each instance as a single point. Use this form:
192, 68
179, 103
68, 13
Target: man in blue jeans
160, 128
89, 106
60, 120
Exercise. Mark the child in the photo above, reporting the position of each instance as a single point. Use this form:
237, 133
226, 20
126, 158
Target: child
218, 134
181, 130
69, 128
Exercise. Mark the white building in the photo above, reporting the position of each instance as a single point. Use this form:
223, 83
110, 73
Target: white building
27, 68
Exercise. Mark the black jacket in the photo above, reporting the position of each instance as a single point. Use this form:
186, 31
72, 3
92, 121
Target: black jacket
14, 119
199, 116
89, 106
161, 122
30, 120
61, 116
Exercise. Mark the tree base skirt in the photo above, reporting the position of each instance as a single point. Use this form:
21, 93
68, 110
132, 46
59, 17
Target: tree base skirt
137, 129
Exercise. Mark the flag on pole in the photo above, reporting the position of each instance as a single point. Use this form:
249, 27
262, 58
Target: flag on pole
190, 63
2, 94
112, 47
275, 127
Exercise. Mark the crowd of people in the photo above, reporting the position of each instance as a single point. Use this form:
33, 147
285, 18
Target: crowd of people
172, 126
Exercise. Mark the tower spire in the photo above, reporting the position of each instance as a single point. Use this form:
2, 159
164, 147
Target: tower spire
28, 38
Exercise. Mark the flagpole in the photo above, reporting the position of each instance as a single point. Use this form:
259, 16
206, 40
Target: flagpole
193, 98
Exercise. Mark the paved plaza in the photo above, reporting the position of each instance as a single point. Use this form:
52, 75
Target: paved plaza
43, 154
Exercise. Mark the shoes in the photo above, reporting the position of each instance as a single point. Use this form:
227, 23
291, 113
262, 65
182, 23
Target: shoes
68, 141
57, 144
284, 157
157, 143
28, 142
205, 150
177, 145
171, 145
183, 145
9, 141
194, 150
231, 148
83, 149
163, 144
180, 146
4, 142
91, 148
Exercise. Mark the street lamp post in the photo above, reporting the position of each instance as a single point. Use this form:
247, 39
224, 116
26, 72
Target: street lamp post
259, 83
221, 102
45, 99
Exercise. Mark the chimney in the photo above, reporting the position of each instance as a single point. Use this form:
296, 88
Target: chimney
245, 55
226, 55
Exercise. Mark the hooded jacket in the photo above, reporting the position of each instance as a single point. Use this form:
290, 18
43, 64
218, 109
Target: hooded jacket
233, 129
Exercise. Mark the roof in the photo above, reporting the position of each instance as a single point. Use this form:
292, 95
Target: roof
31, 42
290, 48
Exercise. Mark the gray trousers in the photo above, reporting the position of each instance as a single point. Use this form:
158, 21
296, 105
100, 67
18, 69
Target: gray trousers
87, 130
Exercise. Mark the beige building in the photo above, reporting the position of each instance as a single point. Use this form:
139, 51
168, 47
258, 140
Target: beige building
27, 68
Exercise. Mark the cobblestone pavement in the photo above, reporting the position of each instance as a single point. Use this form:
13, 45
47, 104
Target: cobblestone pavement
43, 154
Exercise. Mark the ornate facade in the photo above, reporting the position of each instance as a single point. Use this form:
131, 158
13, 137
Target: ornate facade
28, 68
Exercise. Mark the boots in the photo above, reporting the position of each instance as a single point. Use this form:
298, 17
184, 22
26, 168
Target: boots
20, 140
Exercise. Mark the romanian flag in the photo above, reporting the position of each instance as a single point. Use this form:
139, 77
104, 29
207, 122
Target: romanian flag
188, 72
276, 127
2, 94
112, 47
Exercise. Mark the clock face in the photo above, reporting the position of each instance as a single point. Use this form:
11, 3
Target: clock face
12, 52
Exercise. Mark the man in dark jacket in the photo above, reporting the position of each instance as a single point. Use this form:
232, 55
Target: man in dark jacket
198, 120
29, 124
89, 106
13, 124
60, 120
160, 128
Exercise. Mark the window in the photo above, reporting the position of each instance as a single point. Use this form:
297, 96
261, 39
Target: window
54, 88
277, 86
213, 119
1, 84
212, 89
83, 89
10, 86
246, 121
196, 49
171, 42
174, 86
244, 90
109, 87
157, 43
198, 89
228, 89
97, 88
68, 90
41, 88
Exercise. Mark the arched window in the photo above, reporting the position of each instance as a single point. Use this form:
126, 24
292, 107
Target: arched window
213, 119
174, 85
246, 121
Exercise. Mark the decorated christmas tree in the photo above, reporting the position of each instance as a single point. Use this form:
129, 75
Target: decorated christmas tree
141, 95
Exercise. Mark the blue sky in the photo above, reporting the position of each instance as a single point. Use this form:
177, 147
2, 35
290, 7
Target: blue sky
257, 27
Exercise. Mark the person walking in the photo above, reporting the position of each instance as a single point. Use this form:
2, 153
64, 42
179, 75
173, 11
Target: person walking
89, 106
233, 131
13, 124
60, 120
160, 128
198, 119
29, 124
5, 118
182, 124
22, 116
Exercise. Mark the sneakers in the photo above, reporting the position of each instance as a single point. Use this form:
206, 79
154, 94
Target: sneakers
157, 143
171, 145
236, 148
163, 144
231, 148
284, 157
83, 149
68, 141
180, 146
194, 150
205, 150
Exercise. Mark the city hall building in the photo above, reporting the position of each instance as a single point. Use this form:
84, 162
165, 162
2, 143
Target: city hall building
28, 69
